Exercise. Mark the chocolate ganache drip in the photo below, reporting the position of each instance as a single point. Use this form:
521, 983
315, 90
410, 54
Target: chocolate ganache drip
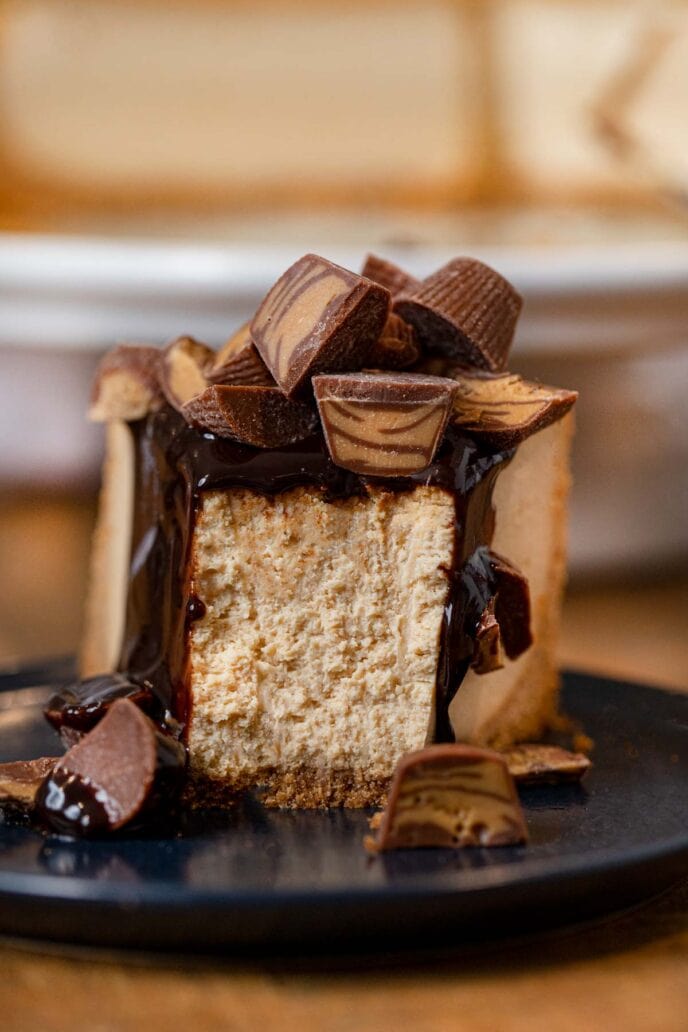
176, 463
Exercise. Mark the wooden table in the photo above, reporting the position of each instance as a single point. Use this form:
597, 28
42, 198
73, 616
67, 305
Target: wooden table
628, 973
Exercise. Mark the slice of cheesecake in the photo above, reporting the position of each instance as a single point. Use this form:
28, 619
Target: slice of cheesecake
307, 612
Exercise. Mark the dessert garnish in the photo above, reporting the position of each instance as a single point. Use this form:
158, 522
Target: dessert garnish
383, 424
119, 770
261, 416
21, 780
534, 763
488, 654
237, 362
503, 409
452, 796
511, 605
396, 348
318, 318
465, 310
127, 385
389, 275
183, 366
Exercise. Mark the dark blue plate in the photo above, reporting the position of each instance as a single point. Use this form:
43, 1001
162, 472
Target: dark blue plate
257, 880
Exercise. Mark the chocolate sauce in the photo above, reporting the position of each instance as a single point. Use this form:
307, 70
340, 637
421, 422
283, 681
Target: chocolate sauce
176, 463
69, 804
79, 707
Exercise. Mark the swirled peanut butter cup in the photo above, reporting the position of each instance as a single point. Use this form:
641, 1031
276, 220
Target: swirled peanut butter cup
383, 424
238, 362
389, 275
505, 409
465, 310
261, 416
127, 384
453, 796
318, 318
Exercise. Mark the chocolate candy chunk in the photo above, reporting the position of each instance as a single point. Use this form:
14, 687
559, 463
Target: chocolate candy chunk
512, 606
77, 708
535, 764
389, 275
451, 795
120, 769
465, 310
238, 362
505, 409
183, 367
396, 348
318, 318
261, 416
383, 424
20, 781
487, 653
504, 624
127, 385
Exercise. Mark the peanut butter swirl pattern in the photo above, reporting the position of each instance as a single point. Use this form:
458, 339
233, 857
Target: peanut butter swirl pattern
454, 796
383, 425
318, 318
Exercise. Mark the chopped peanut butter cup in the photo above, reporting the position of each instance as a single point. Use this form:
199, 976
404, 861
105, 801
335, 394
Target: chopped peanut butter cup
396, 348
111, 775
488, 652
183, 367
512, 606
318, 318
261, 416
505, 409
127, 384
383, 424
238, 362
465, 310
504, 625
537, 764
389, 275
21, 780
452, 796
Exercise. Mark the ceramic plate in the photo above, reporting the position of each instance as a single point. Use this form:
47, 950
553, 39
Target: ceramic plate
258, 880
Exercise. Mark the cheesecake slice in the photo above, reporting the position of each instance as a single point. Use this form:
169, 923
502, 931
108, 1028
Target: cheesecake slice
389, 577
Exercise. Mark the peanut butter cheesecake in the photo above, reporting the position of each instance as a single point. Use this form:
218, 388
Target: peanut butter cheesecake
339, 539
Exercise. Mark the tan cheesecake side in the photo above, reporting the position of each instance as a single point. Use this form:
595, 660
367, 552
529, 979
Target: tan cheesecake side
106, 601
518, 702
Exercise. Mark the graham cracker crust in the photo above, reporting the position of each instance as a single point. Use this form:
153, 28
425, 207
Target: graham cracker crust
300, 789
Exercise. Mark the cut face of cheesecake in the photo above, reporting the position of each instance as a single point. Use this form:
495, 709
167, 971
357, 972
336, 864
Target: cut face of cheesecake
302, 621
313, 667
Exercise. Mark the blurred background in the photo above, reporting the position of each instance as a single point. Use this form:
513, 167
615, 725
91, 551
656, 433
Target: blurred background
161, 163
